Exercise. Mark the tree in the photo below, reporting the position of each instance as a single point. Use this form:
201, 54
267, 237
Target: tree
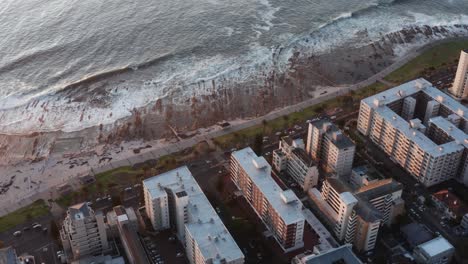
264, 124
54, 230
116, 200
258, 144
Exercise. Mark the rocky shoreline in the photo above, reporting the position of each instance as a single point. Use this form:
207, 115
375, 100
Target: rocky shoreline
227, 100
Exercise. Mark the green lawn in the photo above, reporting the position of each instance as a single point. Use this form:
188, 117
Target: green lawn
436, 57
36, 209
105, 181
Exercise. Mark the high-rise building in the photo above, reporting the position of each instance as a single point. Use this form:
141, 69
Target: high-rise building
292, 158
126, 225
433, 152
385, 196
363, 227
460, 84
175, 200
83, 232
435, 251
280, 210
357, 214
327, 144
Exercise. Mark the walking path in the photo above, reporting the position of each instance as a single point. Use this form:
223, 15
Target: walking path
42, 179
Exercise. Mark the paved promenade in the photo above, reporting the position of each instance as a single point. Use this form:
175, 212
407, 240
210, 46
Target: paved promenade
47, 175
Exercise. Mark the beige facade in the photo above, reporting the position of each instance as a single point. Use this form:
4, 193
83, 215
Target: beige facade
330, 147
460, 84
83, 232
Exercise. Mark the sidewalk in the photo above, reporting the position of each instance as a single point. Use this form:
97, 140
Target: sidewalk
18, 200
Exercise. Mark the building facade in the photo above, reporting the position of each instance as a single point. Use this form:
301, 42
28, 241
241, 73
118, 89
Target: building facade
292, 158
433, 146
83, 232
328, 145
174, 200
356, 215
460, 83
280, 211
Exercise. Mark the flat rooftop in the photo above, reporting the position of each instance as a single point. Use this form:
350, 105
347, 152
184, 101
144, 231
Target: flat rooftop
415, 135
380, 101
204, 224
329, 128
343, 254
419, 85
436, 246
259, 171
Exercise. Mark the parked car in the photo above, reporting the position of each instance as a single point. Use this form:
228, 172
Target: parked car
17, 233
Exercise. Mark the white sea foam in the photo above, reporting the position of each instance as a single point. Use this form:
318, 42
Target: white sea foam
191, 75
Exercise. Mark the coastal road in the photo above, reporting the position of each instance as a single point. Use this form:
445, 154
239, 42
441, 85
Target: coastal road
55, 177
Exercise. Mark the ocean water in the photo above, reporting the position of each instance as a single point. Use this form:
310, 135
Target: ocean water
162, 48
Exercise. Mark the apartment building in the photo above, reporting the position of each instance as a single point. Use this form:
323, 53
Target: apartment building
337, 203
356, 215
292, 159
83, 232
280, 210
363, 227
385, 196
435, 251
127, 229
174, 200
328, 145
460, 83
433, 145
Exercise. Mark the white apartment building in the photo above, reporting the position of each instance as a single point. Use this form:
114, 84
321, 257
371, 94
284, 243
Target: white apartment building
460, 83
328, 145
432, 150
435, 251
292, 158
355, 220
83, 232
363, 227
175, 200
280, 210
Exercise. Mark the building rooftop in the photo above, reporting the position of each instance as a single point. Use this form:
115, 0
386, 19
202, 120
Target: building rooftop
79, 211
435, 246
335, 135
415, 234
367, 212
204, 224
415, 135
260, 172
380, 101
457, 206
338, 185
379, 188
343, 255
302, 155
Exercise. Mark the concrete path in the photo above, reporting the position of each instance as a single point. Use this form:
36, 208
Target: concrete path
47, 191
